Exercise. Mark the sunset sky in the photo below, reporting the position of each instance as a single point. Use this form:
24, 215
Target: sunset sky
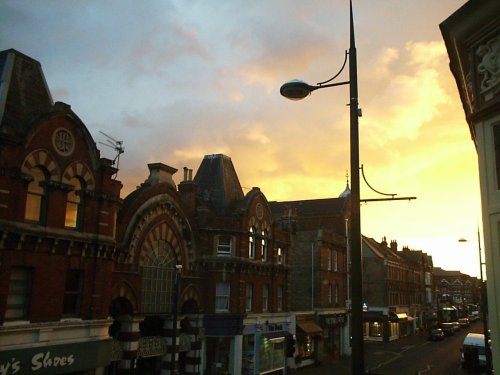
178, 79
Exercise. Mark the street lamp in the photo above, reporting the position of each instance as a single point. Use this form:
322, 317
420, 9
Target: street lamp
297, 90
484, 302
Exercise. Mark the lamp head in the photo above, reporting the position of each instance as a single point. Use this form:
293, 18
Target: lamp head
296, 89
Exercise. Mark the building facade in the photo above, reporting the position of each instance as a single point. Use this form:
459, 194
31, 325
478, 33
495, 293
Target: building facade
472, 38
58, 206
319, 272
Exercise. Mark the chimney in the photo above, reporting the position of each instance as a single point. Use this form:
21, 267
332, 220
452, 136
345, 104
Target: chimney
160, 173
188, 189
384, 241
394, 246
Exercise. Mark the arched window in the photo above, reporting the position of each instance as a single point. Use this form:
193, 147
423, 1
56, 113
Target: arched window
158, 279
36, 196
263, 246
74, 206
251, 243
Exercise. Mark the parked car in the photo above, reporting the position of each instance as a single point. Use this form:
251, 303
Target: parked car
456, 326
448, 329
436, 334
464, 322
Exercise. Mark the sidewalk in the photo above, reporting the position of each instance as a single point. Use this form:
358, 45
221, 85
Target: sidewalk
376, 354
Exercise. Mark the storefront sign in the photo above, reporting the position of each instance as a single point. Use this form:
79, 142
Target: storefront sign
56, 359
152, 346
334, 320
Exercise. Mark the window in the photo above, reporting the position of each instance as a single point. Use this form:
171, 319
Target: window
335, 261
330, 294
280, 256
249, 297
263, 248
158, 279
329, 260
280, 298
74, 207
336, 293
19, 294
265, 298
251, 244
36, 197
224, 245
72, 293
222, 296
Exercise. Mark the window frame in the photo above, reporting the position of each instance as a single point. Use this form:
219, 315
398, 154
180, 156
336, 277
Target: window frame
73, 291
24, 294
222, 296
265, 298
220, 246
251, 243
76, 219
249, 297
35, 210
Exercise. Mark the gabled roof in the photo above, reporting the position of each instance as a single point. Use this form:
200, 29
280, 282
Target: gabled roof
312, 207
380, 250
24, 93
219, 186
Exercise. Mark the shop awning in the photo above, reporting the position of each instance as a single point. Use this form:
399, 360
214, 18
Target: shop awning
310, 327
402, 316
373, 316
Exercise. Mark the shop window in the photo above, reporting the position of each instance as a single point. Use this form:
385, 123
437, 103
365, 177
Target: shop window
19, 294
251, 243
158, 279
36, 197
305, 345
224, 245
272, 354
74, 206
249, 297
72, 293
265, 298
222, 296
376, 329
248, 354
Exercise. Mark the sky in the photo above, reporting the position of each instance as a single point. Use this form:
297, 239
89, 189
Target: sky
175, 80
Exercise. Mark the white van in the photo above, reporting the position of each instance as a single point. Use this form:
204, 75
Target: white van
473, 351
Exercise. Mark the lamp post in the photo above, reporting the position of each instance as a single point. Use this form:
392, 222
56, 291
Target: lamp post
484, 303
297, 90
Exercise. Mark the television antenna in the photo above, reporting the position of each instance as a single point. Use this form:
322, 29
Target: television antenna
115, 145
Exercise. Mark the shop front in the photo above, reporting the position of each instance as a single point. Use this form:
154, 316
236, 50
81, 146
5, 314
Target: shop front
378, 326
332, 325
71, 358
264, 347
309, 336
223, 343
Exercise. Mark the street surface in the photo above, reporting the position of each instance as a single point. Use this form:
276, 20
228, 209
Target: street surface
414, 355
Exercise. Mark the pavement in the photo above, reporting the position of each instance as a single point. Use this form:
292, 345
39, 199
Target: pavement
376, 354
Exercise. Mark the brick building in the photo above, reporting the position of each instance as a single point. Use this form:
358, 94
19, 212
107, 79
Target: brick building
394, 285
318, 230
58, 204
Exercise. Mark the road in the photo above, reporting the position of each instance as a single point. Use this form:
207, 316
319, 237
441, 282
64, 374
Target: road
414, 355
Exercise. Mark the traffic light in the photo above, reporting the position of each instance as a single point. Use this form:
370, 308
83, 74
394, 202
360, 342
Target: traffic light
290, 345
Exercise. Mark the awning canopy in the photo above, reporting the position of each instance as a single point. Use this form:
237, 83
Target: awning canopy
373, 316
402, 315
310, 327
